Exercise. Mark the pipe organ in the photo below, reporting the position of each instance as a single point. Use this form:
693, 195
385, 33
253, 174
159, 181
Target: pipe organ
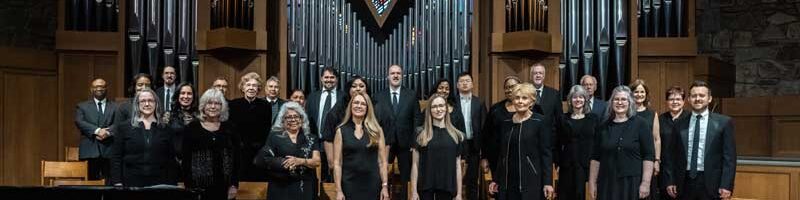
161, 33
431, 42
662, 18
91, 15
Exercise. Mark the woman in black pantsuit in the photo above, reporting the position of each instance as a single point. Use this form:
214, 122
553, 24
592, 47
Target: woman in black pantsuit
575, 145
436, 165
211, 150
143, 153
360, 170
623, 152
524, 168
290, 155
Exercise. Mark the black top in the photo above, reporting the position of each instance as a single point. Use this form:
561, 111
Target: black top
621, 147
497, 116
648, 116
436, 169
336, 115
210, 158
472, 146
250, 118
278, 146
360, 170
526, 149
575, 140
141, 157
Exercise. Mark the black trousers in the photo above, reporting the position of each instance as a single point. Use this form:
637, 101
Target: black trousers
435, 195
98, 168
695, 189
472, 176
403, 156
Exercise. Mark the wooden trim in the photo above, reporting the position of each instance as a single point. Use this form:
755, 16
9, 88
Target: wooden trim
90, 41
283, 53
203, 24
61, 16
475, 58
690, 19
633, 34
554, 25
260, 24
667, 46
520, 41
231, 38
777, 138
26, 58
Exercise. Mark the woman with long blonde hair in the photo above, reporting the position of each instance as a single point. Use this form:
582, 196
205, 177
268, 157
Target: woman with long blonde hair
360, 170
436, 167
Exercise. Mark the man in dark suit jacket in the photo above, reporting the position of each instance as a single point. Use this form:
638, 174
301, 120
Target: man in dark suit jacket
166, 92
548, 100
94, 119
318, 104
468, 116
707, 172
275, 102
404, 103
597, 105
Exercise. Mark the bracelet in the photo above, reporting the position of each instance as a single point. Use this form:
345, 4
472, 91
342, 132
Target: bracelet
385, 185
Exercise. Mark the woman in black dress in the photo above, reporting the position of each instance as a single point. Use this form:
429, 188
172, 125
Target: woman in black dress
436, 166
499, 114
524, 168
250, 116
143, 153
574, 145
211, 150
623, 152
291, 155
675, 101
360, 170
442, 87
641, 95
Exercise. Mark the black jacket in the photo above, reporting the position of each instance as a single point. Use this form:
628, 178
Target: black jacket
536, 147
313, 111
406, 118
478, 115
87, 119
140, 159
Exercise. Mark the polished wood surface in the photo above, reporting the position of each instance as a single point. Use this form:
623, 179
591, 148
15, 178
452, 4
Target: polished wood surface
767, 182
73, 170
71, 153
252, 190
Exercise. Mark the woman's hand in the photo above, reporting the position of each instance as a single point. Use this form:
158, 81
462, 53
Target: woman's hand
549, 192
339, 196
493, 188
385, 193
593, 190
656, 168
232, 192
644, 190
458, 197
291, 162
414, 195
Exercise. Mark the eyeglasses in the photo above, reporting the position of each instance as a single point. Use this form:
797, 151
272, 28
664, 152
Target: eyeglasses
292, 117
147, 101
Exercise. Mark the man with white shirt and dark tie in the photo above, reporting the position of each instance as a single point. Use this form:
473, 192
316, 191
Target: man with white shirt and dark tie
274, 102
597, 105
318, 104
703, 159
94, 119
165, 92
468, 116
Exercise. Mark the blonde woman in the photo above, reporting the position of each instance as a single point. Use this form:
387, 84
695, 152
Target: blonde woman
360, 170
435, 167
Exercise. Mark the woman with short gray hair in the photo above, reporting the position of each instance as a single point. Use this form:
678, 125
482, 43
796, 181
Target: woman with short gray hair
290, 155
574, 144
211, 150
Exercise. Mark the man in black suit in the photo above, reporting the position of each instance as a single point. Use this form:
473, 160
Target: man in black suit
165, 92
404, 103
318, 104
275, 102
703, 159
94, 119
548, 100
597, 105
468, 116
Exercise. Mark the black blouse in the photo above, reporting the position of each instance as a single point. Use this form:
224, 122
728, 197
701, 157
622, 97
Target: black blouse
575, 140
278, 146
210, 158
621, 147
141, 157
436, 169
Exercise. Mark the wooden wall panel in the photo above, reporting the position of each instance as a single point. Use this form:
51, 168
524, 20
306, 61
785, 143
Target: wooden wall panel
26, 137
660, 73
752, 136
785, 137
767, 182
519, 66
232, 68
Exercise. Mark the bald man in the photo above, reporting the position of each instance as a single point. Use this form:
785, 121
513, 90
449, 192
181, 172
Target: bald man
94, 119
597, 105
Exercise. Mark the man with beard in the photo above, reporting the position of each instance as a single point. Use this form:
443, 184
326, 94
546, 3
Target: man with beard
275, 102
94, 119
404, 104
250, 115
165, 92
318, 104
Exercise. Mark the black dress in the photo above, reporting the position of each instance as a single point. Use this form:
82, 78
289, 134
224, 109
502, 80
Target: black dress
251, 120
360, 170
648, 116
497, 116
666, 123
436, 170
575, 149
141, 157
336, 114
525, 159
300, 183
210, 160
621, 148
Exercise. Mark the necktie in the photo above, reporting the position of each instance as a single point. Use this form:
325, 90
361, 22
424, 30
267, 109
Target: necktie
167, 99
100, 117
325, 108
394, 101
695, 147
100, 107
538, 96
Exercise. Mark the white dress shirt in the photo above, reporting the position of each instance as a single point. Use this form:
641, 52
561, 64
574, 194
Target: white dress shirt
466, 107
323, 97
702, 143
